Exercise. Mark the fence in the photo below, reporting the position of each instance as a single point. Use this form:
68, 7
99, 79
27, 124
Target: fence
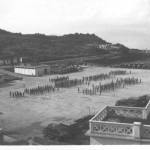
111, 128
135, 130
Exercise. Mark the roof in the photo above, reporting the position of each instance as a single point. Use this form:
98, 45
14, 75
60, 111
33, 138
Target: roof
30, 67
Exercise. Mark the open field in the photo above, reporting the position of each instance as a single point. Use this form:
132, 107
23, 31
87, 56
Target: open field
27, 115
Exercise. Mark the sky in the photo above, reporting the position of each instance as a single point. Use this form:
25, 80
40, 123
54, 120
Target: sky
117, 21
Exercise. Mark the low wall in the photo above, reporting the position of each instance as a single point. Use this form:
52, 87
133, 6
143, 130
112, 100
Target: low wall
99, 127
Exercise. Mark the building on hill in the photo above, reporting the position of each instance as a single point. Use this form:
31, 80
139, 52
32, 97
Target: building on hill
8, 60
120, 125
32, 70
109, 46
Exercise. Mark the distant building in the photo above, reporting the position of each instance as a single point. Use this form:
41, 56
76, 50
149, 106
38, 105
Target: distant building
32, 70
8, 60
120, 125
109, 46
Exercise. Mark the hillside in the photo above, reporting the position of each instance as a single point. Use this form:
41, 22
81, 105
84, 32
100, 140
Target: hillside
40, 47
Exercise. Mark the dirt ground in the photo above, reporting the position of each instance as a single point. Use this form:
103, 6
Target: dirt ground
26, 116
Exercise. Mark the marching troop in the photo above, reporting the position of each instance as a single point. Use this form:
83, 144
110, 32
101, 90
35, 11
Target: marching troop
112, 86
66, 82
40, 90
16, 94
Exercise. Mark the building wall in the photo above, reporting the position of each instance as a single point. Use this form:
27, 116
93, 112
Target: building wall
39, 71
112, 141
42, 70
55, 69
25, 71
15, 61
7, 62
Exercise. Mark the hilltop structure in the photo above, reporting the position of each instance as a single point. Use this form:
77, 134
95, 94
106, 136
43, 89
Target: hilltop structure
109, 46
120, 125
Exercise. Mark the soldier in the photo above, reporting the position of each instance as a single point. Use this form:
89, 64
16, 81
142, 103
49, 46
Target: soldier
10, 94
13, 94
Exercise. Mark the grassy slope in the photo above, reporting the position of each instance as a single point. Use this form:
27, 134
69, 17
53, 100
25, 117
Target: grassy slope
49, 47
41, 48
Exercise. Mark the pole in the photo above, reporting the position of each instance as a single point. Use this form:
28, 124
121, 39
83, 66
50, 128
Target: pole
89, 109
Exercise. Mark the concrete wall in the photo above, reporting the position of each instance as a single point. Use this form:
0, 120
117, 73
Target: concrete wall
112, 141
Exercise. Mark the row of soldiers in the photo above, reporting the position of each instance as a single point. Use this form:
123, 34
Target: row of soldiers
104, 76
110, 86
68, 83
118, 72
59, 79
40, 89
16, 94
33, 91
64, 82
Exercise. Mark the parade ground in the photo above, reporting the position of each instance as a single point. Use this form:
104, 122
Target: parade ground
26, 115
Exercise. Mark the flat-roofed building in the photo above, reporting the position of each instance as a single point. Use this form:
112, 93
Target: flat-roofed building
8, 60
32, 70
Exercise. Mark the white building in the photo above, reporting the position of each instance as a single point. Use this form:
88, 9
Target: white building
112, 131
109, 46
32, 70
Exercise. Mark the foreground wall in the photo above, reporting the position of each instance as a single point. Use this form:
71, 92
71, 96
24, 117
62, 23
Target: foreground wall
112, 141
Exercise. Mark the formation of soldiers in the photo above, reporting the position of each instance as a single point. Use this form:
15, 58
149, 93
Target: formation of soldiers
58, 79
118, 72
16, 94
65, 82
112, 86
34, 91
40, 90
104, 76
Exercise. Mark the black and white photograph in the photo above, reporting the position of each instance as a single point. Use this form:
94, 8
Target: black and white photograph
74, 73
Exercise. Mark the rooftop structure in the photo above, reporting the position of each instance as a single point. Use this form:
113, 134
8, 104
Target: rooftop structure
115, 125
